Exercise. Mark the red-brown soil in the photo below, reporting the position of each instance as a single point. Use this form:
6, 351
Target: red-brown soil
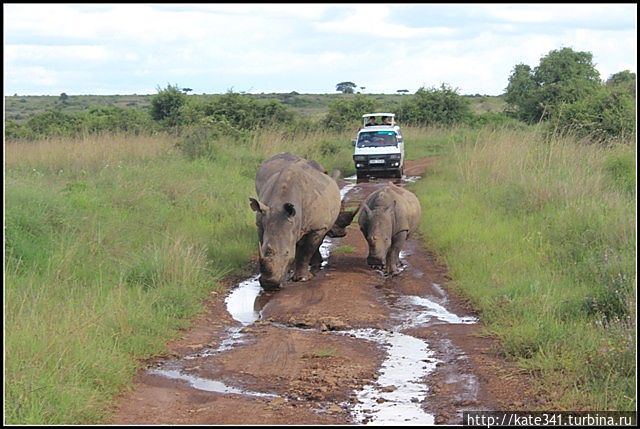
293, 353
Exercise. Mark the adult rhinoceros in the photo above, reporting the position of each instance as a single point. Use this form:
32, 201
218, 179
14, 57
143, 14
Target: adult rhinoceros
387, 217
297, 205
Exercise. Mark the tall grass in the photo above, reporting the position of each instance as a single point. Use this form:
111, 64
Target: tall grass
112, 243
539, 234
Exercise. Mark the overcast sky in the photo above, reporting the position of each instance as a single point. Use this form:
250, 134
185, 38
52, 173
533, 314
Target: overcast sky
308, 48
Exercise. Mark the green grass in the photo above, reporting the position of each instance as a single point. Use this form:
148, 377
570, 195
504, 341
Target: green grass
325, 352
104, 262
112, 243
539, 236
344, 249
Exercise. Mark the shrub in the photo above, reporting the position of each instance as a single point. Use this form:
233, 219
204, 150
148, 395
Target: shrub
607, 113
347, 112
166, 104
433, 106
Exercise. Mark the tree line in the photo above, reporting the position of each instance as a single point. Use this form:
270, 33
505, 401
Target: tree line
564, 91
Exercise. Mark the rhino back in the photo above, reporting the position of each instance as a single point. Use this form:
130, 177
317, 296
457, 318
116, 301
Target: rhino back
407, 210
279, 162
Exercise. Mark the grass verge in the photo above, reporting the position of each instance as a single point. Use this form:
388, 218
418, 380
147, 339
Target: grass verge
539, 235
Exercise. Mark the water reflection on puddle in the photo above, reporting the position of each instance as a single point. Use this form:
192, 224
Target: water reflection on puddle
241, 301
206, 384
396, 396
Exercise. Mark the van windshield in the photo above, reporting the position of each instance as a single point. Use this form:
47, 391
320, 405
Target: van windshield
377, 139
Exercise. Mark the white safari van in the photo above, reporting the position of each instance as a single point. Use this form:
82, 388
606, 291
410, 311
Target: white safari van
379, 147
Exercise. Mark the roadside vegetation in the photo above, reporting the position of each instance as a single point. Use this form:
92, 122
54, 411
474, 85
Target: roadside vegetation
539, 235
121, 219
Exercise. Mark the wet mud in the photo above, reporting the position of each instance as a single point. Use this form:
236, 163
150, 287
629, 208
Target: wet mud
350, 346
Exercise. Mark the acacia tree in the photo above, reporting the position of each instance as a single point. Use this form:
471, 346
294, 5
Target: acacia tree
346, 87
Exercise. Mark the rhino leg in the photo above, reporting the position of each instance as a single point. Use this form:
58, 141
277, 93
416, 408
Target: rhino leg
393, 255
316, 260
305, 250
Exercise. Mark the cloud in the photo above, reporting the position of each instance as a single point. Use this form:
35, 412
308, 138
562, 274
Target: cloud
47, 53
306, 47
23, 76
373, 21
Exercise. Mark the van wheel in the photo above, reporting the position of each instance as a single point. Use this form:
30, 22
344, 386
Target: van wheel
399, 173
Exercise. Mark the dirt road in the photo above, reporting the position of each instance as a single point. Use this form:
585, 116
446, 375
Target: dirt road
351, 346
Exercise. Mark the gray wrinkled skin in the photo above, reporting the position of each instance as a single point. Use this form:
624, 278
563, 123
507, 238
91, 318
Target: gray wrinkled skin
387, 217
297, 205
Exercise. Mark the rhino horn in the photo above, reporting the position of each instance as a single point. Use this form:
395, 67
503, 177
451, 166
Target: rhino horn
366, 209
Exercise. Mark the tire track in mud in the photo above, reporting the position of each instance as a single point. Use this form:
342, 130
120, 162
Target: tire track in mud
351, 346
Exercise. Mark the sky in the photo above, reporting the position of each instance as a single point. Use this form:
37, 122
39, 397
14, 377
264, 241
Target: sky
138, 48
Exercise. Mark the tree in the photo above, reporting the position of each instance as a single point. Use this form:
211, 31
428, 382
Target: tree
402, 91
625, 80
166, 104
185, 90
64, 98
443, 106
346, 87
521, 94
563, 76
346, 112
608, 112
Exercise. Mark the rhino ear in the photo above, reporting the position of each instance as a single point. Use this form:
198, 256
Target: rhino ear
289, 209
257, 206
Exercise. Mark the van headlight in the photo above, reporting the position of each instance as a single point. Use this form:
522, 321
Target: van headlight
394, 156
359, 158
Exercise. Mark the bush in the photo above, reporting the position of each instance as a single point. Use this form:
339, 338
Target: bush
166, 105
203, 140
347, 112
115, 119
246, 113
496, 120
54, 123
624, 79
606, 114
433, 106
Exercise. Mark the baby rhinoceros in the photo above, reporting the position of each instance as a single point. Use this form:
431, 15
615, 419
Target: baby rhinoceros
387, 217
